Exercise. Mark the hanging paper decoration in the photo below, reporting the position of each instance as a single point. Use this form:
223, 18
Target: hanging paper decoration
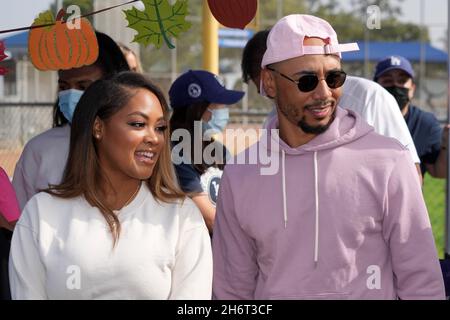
233, 13
159, 22
61, 46
3, 56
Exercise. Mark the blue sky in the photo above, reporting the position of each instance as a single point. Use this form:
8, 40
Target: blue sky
20, 13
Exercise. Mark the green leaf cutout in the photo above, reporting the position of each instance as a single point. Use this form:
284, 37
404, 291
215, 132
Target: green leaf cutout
45, 18
159, 22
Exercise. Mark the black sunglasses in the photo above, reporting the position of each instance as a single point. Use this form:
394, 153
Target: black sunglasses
309, 82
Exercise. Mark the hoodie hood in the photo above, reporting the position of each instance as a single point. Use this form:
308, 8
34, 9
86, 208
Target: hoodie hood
347, 126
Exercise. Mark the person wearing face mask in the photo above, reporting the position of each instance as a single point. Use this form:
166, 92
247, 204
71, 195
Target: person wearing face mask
396, 75
200, 112
44, 157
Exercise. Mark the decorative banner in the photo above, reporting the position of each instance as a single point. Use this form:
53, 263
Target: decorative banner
3, 56
233, 13
158, 22
61, 45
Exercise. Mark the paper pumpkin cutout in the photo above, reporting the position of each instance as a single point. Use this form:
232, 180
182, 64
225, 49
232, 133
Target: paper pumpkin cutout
58, 47
3, 56
233, 13
158, 22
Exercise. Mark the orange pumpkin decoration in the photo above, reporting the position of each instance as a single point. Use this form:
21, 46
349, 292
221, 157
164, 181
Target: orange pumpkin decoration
57, 47
233, 13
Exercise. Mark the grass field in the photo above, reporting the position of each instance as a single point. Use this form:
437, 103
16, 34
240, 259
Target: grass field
434, 193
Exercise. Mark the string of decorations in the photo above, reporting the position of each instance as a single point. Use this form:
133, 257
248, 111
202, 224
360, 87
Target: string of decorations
55, 44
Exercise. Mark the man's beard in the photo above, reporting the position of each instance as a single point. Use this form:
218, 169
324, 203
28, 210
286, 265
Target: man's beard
306, 128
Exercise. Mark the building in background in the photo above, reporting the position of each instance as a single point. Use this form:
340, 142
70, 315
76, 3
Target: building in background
114, 24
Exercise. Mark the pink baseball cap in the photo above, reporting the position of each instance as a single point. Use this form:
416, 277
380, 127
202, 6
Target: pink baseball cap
285, 40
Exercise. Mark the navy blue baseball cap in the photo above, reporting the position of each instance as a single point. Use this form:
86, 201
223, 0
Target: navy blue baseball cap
199, 85
391, 63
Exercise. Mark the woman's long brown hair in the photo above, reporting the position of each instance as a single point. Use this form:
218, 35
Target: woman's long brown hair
83, 173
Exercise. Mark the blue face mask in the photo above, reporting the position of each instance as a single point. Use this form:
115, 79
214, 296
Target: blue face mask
68, 100
219, 119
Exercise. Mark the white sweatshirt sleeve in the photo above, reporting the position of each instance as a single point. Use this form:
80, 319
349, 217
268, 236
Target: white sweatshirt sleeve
26, 270
192, 272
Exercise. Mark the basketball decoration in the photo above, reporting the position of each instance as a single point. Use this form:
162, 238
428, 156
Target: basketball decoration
58, 46
233, 13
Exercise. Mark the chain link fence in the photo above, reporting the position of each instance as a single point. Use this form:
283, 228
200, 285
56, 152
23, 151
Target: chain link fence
19, 122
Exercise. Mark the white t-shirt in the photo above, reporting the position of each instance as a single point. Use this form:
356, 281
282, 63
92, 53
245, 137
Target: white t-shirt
63, 249
42, 163
379, 108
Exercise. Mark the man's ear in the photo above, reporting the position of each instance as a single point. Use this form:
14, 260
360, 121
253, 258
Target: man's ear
268, 83
412, 91
97, 130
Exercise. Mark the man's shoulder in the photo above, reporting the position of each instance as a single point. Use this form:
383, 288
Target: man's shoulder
50, 138
356, 84
422, 120
422, 115
362, 95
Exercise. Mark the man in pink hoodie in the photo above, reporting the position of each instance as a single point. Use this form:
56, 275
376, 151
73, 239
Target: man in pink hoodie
343, 216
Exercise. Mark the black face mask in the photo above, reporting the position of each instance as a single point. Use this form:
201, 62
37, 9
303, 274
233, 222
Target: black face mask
400, 94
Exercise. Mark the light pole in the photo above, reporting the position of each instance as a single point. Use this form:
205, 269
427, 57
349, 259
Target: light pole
210, 40
422, 65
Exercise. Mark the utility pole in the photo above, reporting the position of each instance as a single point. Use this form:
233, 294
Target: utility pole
279, 9
173, 62
422, 65
210, 40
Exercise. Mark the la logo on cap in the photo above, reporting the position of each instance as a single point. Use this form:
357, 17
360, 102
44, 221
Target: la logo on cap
395, 61
194, 90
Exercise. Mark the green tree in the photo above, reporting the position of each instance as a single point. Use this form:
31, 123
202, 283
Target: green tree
351, 25
271, 11
388, 8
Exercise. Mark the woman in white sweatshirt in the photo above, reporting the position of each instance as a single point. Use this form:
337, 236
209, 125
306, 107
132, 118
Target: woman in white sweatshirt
117, 227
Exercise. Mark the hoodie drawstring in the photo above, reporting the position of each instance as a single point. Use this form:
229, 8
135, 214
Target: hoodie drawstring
316, 192
283, 177
316, 189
